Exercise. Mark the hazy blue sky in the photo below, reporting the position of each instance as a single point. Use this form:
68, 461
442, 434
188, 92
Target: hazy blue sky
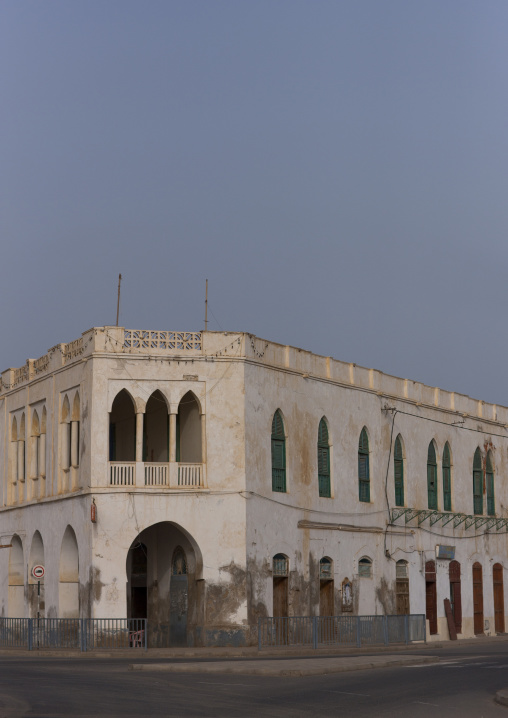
338, 170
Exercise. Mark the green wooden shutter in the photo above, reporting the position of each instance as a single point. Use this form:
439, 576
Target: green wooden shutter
363, 467
447, 480
278, 454
432, 477
323, 451
398, 471
477, 483
489, 480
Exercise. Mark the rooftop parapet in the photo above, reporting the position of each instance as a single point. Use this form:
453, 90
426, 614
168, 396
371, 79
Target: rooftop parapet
230, 345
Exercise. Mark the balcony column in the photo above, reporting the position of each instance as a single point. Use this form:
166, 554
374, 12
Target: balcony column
139, 436
172, 435
203, 438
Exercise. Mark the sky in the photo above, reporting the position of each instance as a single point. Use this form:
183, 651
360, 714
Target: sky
338, 171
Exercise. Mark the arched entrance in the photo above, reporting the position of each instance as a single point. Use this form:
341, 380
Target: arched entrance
497, 576
68, 587
431, 595
478, 598
163, 583
16, 579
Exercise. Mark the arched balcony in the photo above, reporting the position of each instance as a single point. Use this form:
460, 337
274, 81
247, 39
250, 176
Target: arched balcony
159, 445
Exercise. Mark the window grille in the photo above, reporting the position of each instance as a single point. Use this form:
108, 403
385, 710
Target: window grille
398, 470
477, 483
280, 565
278, 454
324, 461
326, 569
432, 477
363, 467
401, 569
365, 568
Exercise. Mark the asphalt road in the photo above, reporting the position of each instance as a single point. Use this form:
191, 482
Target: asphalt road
462, 685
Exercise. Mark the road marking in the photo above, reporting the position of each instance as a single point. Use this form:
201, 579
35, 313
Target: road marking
346, 693
216, 683
421, 703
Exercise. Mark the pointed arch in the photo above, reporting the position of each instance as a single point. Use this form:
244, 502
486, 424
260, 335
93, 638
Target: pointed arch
68, 593
16, 594
278, 442
432, 476
188, 430
363, 466
76, 407
156, 429
477, 483
14, 429
398, 471
447, 478
122, 428
66, 410
323, 456
36, 426
489, 484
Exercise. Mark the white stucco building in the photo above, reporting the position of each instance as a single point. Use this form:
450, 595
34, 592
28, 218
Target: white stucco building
204, 480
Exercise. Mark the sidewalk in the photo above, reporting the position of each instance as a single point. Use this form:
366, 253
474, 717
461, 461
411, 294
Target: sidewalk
289, 667
138, 654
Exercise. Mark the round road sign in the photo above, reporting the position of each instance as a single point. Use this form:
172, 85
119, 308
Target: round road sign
38, 571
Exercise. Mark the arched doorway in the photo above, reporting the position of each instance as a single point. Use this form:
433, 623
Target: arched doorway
431, 596
497, 576
280, 585
163, 583
455, 595
156, 430
68, 587
326, 592
478, 598
16, 595
188, 431
122, 428
36, 586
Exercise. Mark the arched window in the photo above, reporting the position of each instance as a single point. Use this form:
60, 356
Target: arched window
278, 454
432, 477
363, 467
398, 472
447, 479
477, 482
323, 452
489, 481
365, 568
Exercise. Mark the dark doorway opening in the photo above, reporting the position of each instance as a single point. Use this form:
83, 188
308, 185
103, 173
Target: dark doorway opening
431, 596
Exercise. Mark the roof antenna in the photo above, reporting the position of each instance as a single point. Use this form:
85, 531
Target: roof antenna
206, 307
118, 301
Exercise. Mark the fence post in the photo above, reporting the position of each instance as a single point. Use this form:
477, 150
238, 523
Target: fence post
145, 632
82, 628
406, 628
314, 632
358, 635
30, 634
385, 629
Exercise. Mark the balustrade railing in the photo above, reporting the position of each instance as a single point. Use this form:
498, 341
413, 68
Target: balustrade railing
190, 475
156, 474
121, 473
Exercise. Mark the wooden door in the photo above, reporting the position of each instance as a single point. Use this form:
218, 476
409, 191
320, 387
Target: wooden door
456, 594
478, 598
431, 596
280, 597
402, 591
326, 607
498, 597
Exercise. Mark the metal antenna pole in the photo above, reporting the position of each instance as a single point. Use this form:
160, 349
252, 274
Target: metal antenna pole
206, 307
118, 302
